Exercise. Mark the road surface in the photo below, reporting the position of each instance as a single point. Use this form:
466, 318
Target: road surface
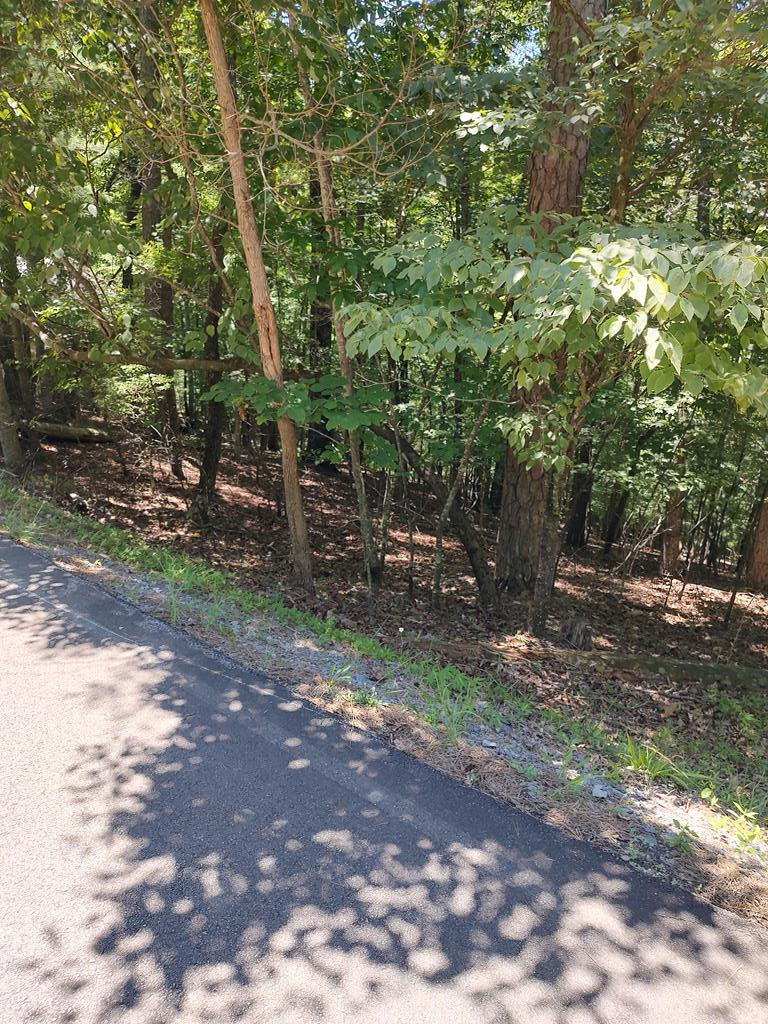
184, 841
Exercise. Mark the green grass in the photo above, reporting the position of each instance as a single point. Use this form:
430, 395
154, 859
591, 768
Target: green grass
647, 760
451, 697
34, 520
365, 696
731, 774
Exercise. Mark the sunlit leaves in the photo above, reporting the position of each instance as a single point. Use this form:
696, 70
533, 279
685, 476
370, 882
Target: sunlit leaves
679, 305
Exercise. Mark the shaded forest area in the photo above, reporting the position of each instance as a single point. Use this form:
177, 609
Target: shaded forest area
631, 606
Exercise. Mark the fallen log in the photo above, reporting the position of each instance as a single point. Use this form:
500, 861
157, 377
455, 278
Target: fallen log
68, 432
744, 676
671, 668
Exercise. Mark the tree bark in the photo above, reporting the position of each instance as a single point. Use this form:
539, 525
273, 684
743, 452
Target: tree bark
71, 432
158, 293
757, 566
614, 518
15, 349
673, 532
8, 360
549, 549
523, 504
320, 326
10, 445
556, 185
558, 172
747, 546
437, 574
269, 341
215, 413
581, 496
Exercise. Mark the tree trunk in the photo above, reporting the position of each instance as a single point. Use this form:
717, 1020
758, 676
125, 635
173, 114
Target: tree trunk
753, 546
549, 549
10, 446
318, 437
23, 356
757, 566
215, 413
556, 185
269, 341
372, 569
158, 293
15, 349
558, 171
523, 507
581, 495
8, 360
156, 297
437, 576
131, 213
673, 532
614, 518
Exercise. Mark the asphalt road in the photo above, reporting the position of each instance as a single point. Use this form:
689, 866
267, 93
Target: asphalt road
181, 840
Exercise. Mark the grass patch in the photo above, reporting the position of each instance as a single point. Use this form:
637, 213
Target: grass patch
35, 520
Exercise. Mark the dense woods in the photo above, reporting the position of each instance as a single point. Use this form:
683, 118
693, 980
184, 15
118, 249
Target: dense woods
499, 265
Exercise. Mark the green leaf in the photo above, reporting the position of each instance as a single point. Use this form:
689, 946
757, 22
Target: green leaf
660, 379
739, 316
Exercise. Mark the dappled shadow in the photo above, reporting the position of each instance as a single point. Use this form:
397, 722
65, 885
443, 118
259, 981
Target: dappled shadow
237, 855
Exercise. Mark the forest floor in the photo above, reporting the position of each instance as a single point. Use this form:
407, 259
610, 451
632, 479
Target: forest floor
670, 773
642, 613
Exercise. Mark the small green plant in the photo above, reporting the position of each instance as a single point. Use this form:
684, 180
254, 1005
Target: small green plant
340, 676
528, 771
451, 698
522, 707
682, 840
649, 760
710, 797
217, 614
365, 696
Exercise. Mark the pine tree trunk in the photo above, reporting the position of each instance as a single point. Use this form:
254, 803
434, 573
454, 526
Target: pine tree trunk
556, 185
269, 341
558, 171
523, 507
549, 549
